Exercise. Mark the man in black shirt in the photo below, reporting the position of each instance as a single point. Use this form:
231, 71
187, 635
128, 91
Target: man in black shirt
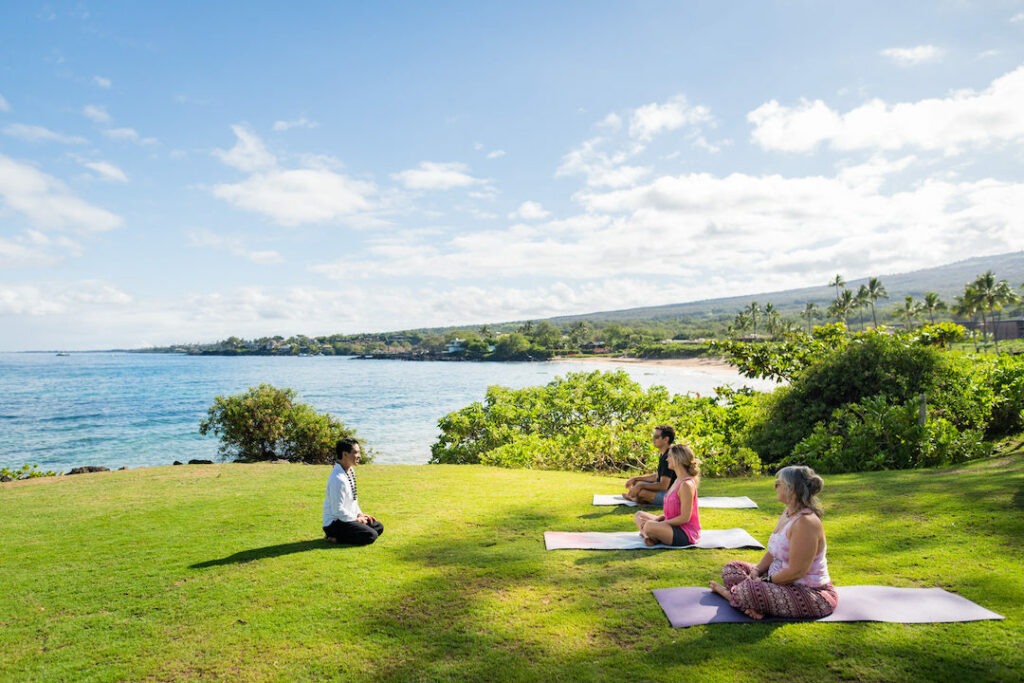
649, 489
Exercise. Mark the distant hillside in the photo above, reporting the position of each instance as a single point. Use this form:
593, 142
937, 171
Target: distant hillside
947, 281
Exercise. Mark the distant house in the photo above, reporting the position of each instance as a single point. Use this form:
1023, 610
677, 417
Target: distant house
455, 345
593, 347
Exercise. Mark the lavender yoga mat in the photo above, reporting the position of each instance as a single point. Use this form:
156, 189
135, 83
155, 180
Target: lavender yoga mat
631, 540
702, 501
693, 606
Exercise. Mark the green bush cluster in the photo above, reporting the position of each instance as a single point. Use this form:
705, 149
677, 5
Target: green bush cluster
26, 471
853, 403
590, 421
266, 423
859, 408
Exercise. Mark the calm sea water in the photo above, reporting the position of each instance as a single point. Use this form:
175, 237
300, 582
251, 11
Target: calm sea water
122, 409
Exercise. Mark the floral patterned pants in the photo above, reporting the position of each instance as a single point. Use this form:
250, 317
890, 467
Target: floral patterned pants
774, 600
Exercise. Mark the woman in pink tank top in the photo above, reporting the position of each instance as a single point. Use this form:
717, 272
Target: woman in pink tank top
792, 578
679, 523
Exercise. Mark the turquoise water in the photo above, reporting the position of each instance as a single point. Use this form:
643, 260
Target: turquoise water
133, 410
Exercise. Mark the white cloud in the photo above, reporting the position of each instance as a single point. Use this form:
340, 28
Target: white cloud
41, 134
988, 53
234, 245
101, 81
496, 154
58, 298
297, 123
315, 194
47, 202
296, 196
964, 117
605, 160
4, 106
106, 170
34, 249
530, 211
96, 113
248, 154
128, 135
431, 175
1017, 18
913, 56
651, 119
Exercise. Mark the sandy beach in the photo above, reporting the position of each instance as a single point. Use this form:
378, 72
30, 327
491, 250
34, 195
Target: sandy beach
708, 363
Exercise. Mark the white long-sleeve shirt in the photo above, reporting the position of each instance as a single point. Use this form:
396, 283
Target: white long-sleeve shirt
339, 499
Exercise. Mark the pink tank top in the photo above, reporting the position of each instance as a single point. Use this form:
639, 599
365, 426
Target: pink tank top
672, 507
778, 546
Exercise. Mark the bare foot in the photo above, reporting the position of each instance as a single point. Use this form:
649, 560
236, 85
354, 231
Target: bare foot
752, 614
719, 589
650, 541
330, 539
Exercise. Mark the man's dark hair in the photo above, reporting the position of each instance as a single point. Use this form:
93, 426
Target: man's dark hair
346, 445
668, 432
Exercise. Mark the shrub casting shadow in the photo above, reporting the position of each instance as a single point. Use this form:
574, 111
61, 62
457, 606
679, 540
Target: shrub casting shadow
268, 551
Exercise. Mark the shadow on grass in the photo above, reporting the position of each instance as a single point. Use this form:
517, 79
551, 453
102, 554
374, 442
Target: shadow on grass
267, 552
618, 510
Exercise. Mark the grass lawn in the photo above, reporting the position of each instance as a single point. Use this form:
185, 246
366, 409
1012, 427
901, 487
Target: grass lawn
219, 572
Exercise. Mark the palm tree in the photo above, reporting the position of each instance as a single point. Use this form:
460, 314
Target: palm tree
911, 310
810, 312
837, 282
860, 302
876, 291
992, 296
966, 306
742, 322
842, 306
771, 318
933, 303
753, 311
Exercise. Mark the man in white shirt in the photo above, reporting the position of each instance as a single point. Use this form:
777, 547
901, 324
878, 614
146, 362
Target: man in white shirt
344, 521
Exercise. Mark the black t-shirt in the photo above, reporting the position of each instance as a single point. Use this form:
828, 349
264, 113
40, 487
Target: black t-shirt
664, 470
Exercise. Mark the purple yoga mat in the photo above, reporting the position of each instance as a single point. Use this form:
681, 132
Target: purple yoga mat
693, 606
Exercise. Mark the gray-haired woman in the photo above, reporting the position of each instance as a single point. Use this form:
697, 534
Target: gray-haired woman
792, 578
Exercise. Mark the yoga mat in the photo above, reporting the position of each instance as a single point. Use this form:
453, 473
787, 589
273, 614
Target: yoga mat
631, 540
702, 501
692, 606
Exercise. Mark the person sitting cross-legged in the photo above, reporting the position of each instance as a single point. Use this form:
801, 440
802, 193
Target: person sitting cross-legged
792, 579
344, 521
679, 523
649, 489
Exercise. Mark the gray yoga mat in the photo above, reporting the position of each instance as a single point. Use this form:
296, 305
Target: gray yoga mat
631, 540
702, 501
692, 606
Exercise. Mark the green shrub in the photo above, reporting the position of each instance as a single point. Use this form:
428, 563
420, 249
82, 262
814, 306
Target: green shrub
873, 363
265, 423
26, 471
876, 435
1004, 375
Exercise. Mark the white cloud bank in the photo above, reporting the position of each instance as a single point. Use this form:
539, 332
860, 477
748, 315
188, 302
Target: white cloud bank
963, 118
280, 126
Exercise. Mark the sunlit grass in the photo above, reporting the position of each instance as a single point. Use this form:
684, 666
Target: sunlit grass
218, 572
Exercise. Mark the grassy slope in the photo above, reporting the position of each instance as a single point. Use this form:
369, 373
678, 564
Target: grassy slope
218, 572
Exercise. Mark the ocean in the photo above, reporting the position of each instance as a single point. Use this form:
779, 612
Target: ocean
135, 410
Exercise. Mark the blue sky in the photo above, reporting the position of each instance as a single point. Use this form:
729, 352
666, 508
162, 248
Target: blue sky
175, 172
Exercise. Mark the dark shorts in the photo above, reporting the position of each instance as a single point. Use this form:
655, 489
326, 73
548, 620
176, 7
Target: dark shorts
679, 537
659, 497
